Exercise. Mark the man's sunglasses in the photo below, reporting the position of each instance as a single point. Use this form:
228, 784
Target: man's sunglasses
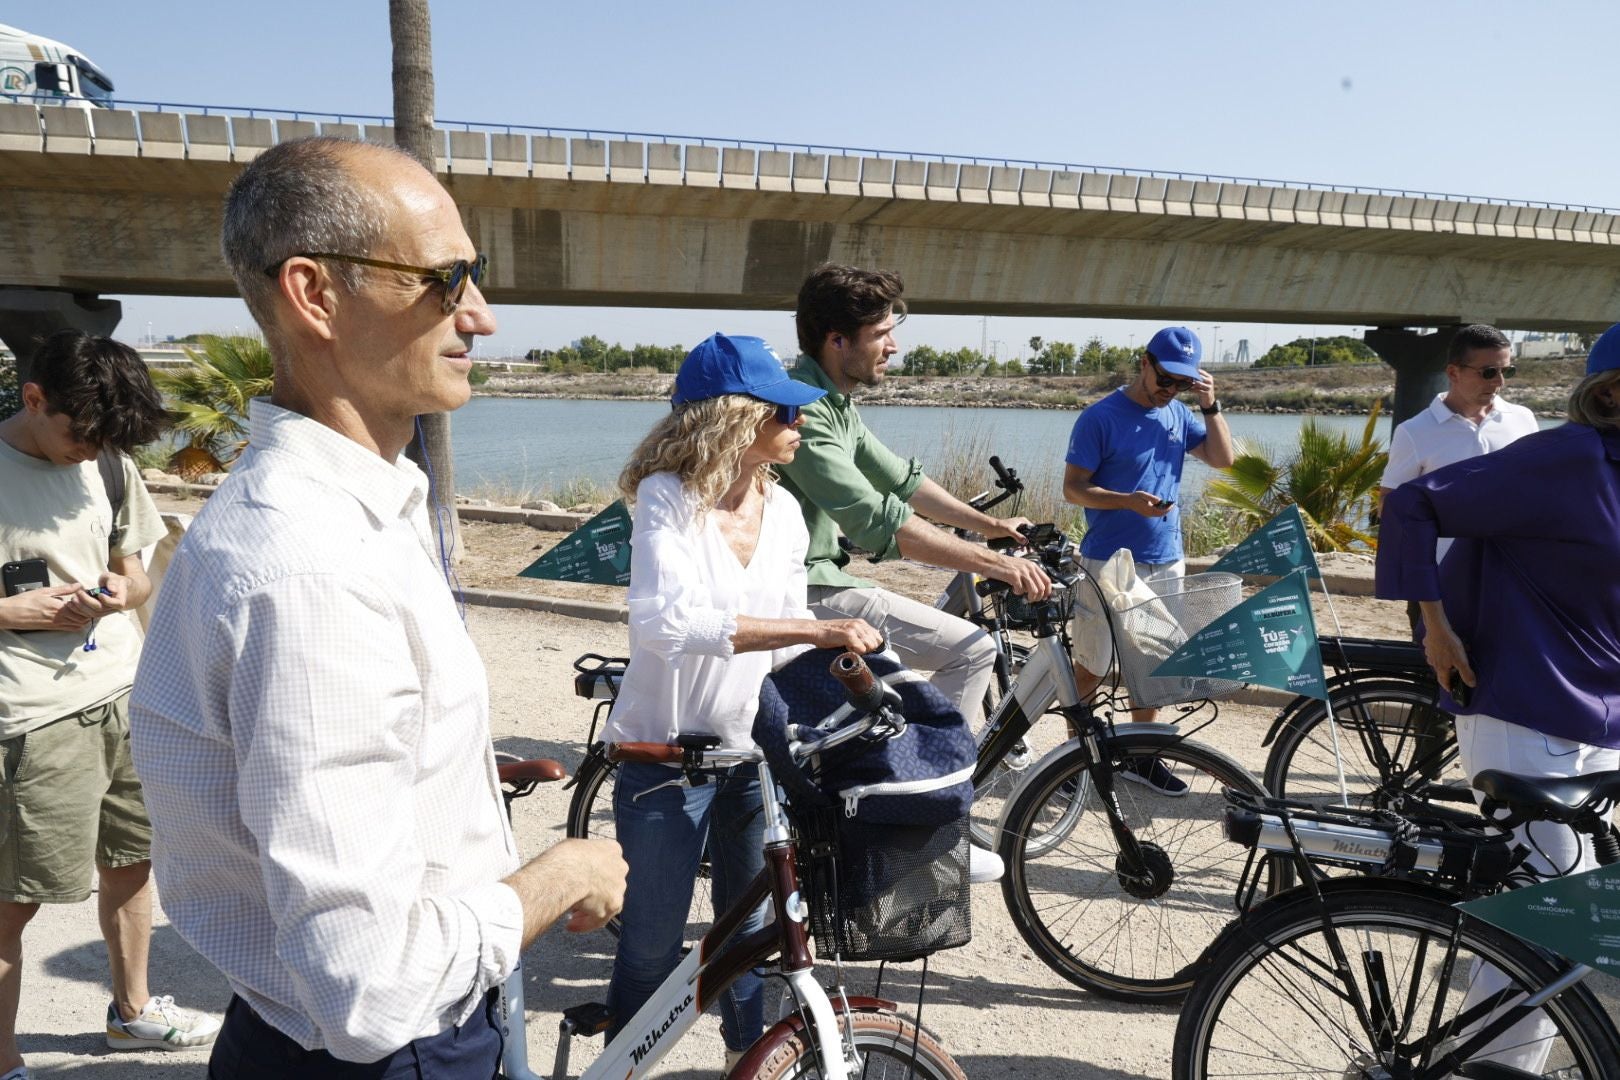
1167, 381
454, 277
1507, 371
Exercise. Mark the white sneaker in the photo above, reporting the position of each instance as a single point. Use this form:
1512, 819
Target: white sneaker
983, 865
162, 1025
732, 1058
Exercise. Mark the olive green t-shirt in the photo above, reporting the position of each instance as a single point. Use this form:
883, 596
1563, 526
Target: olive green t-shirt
60, 513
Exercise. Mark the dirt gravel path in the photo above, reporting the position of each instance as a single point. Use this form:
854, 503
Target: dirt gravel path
998, 1010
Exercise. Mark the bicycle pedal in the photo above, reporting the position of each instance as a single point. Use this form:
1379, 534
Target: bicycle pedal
591, 1018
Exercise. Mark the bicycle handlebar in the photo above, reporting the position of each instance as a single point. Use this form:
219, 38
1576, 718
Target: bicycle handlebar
864, 690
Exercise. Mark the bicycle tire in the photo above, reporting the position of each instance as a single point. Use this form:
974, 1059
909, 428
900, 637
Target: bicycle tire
1069, 902
590, 813
1256, 998
890, 1048
1417, 738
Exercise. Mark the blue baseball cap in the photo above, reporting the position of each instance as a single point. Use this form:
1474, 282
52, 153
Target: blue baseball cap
1605, 354
738, 365
1177, 350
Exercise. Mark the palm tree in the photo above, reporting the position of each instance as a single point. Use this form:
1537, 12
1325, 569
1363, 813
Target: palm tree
208, 401
411, 31
1330, 478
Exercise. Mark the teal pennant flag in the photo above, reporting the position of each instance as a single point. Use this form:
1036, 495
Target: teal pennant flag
597, 552
1269, 639
1278, 547
1577, 917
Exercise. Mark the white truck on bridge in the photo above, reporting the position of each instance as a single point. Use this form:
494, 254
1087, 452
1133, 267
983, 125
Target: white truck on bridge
34, 68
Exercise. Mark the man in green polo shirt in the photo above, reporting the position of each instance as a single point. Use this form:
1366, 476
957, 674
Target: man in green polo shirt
847, 481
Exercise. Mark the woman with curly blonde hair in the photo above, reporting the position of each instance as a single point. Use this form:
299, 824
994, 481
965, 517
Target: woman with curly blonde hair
717, 600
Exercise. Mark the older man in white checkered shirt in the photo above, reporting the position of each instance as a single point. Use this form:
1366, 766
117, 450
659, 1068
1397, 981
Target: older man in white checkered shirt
310, 719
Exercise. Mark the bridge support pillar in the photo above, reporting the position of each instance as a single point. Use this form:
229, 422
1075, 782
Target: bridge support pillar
1419, 361
29, 316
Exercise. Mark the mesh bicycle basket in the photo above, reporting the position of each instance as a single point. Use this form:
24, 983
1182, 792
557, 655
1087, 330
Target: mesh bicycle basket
882, 822
884, 892
1146, 634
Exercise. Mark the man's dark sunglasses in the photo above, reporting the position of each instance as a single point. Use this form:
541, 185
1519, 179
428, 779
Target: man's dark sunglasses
1167, 381
454, 277
787, 414
1507, 371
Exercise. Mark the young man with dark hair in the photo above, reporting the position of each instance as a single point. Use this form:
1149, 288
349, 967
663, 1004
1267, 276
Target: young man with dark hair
1468, 420
69, 797
847, 481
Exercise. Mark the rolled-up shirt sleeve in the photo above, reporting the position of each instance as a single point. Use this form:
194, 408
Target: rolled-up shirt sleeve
865, 494
673, 612
326, 723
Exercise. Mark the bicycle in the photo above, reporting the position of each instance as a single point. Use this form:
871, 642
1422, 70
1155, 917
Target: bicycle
1070, 809
1395, 741
1384, 976
831, 1036
1115, 886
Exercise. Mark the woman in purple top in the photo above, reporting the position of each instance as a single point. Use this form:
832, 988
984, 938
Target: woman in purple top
1524, 611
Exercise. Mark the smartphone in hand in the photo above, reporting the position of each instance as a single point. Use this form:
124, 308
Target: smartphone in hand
26, 574
1460, 691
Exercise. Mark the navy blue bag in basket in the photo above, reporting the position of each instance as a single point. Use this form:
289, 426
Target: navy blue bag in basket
882, 821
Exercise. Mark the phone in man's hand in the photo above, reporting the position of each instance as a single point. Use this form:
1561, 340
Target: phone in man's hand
24, 575
1460, 691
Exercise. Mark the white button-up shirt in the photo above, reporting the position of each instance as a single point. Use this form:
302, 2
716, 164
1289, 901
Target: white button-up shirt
310, 722
1437, 437
686, 590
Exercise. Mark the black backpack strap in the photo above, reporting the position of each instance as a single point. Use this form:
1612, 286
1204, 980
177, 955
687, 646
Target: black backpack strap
111, 464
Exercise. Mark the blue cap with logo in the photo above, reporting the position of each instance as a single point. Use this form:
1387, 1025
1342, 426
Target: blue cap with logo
738, 365
1605, 354
1177, 350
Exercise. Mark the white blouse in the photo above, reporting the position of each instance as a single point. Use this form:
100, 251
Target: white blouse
686, 590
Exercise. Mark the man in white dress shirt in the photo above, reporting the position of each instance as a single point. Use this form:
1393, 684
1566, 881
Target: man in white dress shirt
310, 718
1468, 420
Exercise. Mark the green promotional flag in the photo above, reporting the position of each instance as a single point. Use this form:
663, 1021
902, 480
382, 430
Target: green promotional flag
1278, 547
1269, 639
1577, 917
597, 552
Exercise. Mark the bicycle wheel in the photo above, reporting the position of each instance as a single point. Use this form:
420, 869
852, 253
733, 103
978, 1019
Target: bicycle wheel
1273, 999
888, 1048
1393, 737
590, 813
1133, 940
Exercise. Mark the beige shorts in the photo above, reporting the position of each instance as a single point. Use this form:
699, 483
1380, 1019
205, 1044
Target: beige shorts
69, 802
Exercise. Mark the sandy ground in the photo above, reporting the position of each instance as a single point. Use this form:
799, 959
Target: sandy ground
998, 1010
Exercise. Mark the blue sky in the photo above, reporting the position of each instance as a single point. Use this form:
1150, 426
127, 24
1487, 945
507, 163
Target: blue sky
1492, 98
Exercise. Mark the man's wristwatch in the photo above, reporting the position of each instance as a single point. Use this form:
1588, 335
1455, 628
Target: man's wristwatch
1212, 408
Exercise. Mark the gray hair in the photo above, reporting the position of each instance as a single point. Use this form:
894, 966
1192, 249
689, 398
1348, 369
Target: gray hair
295, 197
1586, 404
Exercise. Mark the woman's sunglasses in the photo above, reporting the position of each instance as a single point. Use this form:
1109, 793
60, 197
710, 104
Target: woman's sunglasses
787, 415
1507, 371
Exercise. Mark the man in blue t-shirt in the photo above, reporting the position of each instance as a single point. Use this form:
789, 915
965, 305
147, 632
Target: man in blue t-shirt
1124, 466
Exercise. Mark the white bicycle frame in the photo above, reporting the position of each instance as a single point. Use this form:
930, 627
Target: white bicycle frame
674, 1007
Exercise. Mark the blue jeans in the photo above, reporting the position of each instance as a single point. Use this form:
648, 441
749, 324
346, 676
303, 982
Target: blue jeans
664, 835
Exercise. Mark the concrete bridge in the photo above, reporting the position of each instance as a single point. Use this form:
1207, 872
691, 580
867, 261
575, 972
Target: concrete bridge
132, 205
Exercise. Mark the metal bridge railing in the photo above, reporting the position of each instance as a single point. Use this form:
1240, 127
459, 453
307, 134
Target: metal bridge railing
924, 157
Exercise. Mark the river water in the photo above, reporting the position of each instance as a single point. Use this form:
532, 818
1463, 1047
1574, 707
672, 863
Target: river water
531, 445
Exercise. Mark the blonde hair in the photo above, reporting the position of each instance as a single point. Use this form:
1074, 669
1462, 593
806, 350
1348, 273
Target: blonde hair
1586, 405
703, 443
